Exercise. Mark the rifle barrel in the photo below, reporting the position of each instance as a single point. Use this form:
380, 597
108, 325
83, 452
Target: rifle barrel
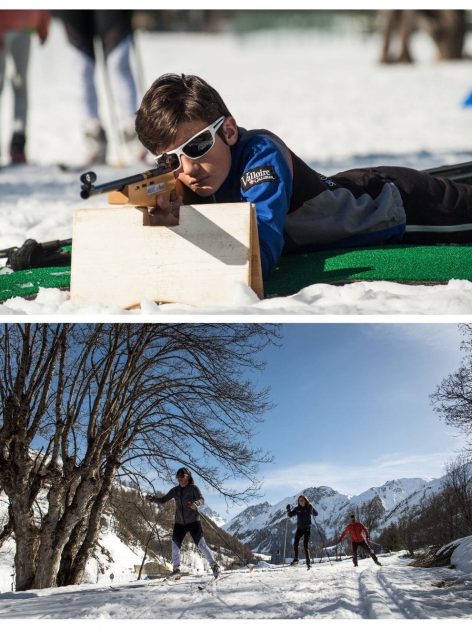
88, 190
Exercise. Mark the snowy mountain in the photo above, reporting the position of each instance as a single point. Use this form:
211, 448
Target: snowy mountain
263, 527
213, 515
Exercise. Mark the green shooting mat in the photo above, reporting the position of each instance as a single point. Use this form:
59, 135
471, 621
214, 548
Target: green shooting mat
407, 264
410, 264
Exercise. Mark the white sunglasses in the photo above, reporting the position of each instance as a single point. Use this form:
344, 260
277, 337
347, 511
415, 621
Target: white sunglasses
194, 148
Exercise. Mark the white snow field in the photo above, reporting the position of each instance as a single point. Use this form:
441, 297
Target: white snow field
334, 590
323, 93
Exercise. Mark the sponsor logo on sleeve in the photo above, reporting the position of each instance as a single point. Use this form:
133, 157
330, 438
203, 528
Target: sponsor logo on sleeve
257, 175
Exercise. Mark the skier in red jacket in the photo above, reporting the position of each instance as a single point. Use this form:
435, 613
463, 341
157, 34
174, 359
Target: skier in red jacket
359, 535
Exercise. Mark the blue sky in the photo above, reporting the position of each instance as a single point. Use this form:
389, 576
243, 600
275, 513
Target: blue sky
352, 407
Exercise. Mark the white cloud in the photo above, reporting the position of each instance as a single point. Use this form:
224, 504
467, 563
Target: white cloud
354, 479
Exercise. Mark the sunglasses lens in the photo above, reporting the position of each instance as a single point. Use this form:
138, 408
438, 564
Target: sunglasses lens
199, 145
168, 160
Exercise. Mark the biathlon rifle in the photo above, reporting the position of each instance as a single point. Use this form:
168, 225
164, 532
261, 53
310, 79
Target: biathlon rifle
141, 189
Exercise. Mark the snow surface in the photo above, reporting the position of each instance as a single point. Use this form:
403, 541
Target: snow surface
331, 590
324, 94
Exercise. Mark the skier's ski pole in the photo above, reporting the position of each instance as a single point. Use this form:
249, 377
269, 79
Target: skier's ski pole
215, 529
285, 539
323, 540
154, 530
115, 125
138, 58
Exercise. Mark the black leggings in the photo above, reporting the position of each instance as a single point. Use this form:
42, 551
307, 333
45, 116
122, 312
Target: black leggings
181, 530
305, 533
367, 549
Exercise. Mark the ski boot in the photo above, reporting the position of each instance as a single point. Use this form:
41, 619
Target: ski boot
176, 574
96, 141
294, 562
135, 150
215, 568
17, 148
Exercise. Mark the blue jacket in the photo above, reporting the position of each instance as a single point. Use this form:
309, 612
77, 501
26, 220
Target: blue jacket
298, 209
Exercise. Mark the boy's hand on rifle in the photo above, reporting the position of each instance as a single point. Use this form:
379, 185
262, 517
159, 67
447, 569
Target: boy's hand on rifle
165, 212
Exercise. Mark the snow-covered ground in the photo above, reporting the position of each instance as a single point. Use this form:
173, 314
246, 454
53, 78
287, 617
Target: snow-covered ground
334, 590
324, 94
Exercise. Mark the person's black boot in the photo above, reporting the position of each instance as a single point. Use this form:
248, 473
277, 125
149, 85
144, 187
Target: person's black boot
17, 148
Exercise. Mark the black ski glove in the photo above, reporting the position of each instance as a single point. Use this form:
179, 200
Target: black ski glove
33, 254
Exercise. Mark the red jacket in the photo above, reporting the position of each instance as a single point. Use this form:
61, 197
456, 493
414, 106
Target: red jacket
18, 20
357, 532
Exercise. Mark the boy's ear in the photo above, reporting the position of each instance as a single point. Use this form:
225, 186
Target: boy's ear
230, 131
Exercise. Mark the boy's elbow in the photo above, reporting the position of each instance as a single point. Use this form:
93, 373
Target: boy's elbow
269, 260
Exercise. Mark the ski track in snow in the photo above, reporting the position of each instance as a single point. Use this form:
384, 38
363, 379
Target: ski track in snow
334, 590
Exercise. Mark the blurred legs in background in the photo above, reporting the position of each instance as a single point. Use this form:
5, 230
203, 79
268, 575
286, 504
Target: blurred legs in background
105, 34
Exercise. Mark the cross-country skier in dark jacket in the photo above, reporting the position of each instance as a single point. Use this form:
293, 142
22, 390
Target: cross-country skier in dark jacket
304, 510
298, 209
187, 498
359, 535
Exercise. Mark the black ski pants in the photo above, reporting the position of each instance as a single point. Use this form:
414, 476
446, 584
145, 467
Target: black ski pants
181, 530
437, 209
366, 547
112, 27
305, 533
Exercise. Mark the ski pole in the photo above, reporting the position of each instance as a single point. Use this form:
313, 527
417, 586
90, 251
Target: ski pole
285, 540
323, 540
215, 529
154, 530
119, 136
138, 58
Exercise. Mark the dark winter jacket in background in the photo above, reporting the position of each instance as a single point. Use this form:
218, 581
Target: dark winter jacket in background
182, 495
303, 515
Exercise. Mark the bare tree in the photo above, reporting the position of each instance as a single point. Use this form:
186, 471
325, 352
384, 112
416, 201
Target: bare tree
459, 482
370, 512
81, 403
452, 399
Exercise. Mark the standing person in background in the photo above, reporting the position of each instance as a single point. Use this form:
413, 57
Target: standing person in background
304, 510
359, 535
114, 31
187, 498
16, 28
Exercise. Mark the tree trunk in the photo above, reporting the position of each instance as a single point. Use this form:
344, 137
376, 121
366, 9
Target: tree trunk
27, 542
93, 529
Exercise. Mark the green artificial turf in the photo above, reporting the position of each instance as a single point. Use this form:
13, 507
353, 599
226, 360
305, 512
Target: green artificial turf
27, 283
404, 264
400, 263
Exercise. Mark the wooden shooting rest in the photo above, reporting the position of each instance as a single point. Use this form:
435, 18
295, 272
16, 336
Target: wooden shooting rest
120, 259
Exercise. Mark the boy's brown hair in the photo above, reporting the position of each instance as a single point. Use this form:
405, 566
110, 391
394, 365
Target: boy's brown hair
172, 100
